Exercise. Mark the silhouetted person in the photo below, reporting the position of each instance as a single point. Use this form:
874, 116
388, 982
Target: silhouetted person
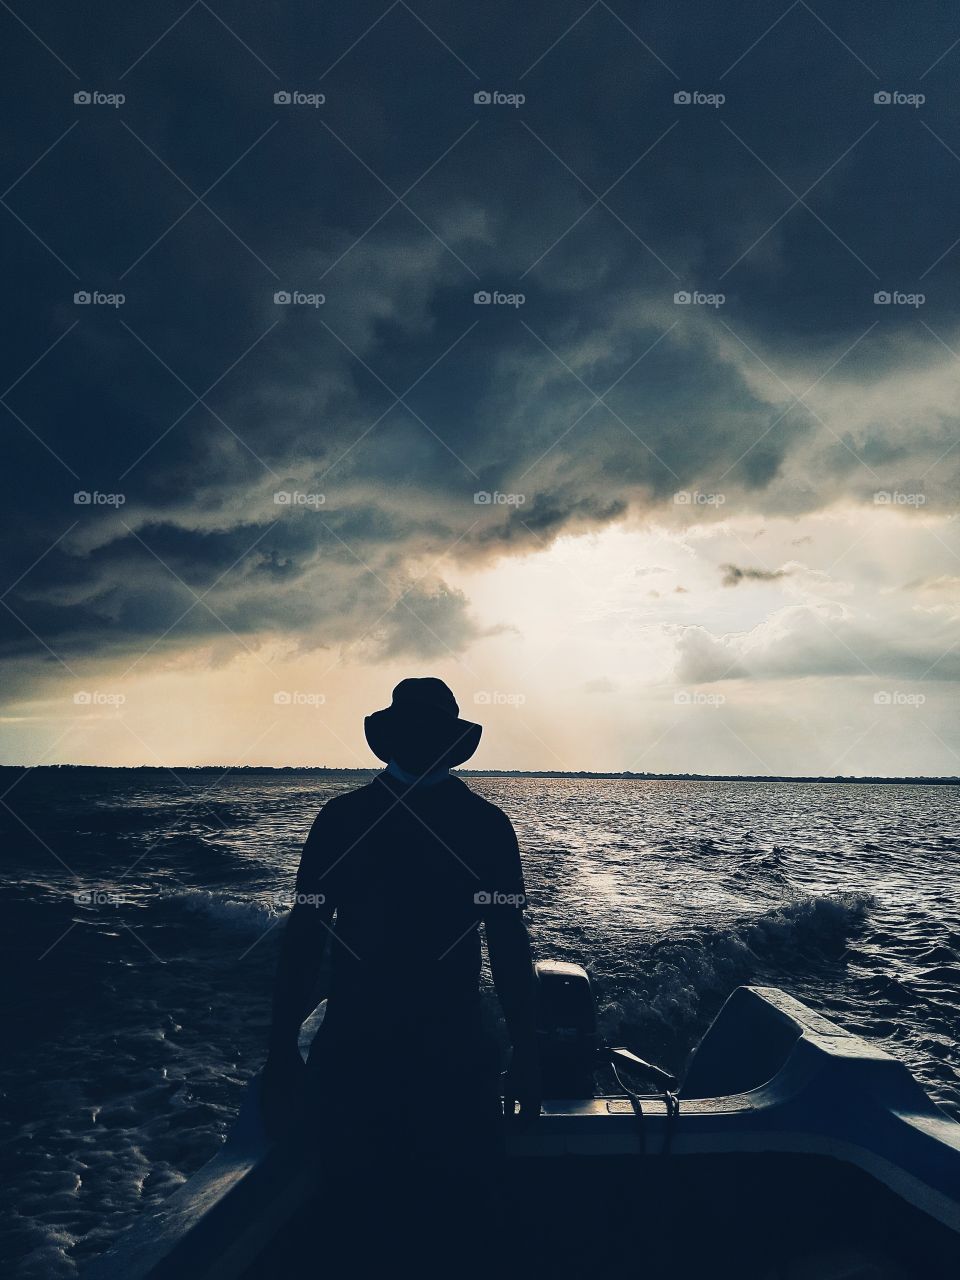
395, 879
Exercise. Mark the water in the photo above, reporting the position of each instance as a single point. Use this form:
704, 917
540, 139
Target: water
135, 1019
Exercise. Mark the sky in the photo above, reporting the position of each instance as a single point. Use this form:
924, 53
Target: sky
602, 360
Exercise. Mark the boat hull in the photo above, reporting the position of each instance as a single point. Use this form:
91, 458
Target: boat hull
835, 1146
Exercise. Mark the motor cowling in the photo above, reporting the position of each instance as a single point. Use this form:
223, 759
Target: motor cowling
566, 1030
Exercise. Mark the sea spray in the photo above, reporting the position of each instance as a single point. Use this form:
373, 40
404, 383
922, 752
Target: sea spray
246, 915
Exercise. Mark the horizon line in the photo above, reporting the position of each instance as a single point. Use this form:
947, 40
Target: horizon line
670, 776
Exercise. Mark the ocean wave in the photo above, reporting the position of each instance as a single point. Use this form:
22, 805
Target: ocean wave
246, 915
800, 924
758, 864
812, 916
684, 978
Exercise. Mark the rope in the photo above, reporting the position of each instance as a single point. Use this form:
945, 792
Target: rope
670, 1100
673, 1110
636, 1104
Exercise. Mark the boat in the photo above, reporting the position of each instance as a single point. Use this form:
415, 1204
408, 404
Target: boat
790, 1150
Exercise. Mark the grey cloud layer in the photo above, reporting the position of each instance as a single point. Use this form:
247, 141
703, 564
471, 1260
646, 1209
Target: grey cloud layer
599, 396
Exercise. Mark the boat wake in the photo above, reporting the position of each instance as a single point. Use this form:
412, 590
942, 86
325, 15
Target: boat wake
245, 915
664, 998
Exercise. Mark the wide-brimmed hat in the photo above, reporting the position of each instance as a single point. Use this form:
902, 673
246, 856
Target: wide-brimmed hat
422, 727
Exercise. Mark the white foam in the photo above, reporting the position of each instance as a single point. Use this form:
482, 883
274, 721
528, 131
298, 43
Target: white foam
247, 915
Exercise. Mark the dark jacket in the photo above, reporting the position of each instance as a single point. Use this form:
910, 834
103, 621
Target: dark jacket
411, 872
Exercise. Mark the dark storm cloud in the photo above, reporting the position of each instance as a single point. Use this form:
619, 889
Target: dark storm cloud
425, 622
389, 406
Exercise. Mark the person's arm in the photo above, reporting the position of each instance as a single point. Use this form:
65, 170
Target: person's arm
296, 995
296, 990
512, 967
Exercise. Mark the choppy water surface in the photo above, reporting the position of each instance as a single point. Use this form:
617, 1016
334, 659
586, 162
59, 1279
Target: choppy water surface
134, 1020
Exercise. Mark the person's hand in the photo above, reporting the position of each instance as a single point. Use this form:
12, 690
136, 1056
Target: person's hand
523, 1085
283, 1091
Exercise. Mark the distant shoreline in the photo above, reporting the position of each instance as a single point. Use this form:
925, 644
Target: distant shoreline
626, 775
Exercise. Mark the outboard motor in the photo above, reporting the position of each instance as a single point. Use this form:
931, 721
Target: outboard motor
566, 1030
571, 1049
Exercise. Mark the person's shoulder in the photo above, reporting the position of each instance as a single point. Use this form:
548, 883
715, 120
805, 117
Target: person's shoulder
352, 796
348, 803
357, 799
484, 809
